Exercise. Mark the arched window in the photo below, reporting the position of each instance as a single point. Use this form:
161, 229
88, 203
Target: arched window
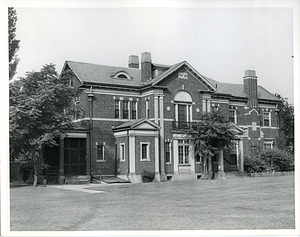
183, 110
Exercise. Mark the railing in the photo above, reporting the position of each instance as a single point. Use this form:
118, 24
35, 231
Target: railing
179, 125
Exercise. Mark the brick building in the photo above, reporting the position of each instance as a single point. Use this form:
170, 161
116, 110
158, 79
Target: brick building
134, 120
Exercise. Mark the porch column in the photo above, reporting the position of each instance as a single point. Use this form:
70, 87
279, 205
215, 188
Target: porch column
156, 109
241, 145
175, 155
131, 158
221, 173
156, 158
162, 136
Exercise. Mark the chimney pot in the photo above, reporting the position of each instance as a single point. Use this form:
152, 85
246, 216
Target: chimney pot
146, 57
133, 61
250, 73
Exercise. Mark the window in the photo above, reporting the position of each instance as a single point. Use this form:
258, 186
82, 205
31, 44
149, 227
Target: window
100, 152
183, 151
268, 145
198, 158
122, 152
267, 119
125, 109
205, 106
147, 109
144, 147
232, 115
182, 75
133, 110
168, 152
117, 109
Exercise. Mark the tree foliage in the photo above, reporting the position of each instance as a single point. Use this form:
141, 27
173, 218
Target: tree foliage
286, 124
39, 107
210, 135
13, 43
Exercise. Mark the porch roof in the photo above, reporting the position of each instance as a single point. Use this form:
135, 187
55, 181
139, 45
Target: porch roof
140, 124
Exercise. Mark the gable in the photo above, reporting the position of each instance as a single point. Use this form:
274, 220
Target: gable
183, 74
145, 125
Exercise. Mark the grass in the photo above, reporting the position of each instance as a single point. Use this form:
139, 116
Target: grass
244, 203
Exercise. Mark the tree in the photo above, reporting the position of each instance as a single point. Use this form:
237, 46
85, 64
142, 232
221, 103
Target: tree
13, 43
286, 124
40, 105
211, 135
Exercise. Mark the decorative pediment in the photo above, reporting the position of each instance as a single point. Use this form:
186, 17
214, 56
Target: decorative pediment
141, 124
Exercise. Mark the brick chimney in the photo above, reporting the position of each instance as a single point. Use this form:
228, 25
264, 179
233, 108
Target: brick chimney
133, 61
250, 88
146, 67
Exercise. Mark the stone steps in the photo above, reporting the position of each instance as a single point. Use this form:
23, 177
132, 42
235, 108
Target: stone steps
77, 179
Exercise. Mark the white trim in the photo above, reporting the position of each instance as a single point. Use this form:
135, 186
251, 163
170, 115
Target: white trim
148, 151
270, 122
76, 135
97, 146
131, 158
113, 92
220, 101
143, 133
169, 144
122, 155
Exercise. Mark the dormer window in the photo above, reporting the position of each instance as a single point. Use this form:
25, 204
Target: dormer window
121, 75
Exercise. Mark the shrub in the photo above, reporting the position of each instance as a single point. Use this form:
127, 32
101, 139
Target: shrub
147, 176
278, 160
254, 164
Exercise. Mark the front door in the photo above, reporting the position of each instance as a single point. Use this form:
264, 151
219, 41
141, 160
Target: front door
75, 156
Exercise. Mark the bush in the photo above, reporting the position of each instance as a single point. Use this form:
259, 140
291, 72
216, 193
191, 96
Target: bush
278, 160
147, 176
254, 165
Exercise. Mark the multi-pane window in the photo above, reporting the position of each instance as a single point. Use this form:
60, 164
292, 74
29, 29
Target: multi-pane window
268, 145
122, 152
125, 109
183, 151
206, 104
100, 152
133, 110
266, 119
144, 146
232, 115
168, 152
117, 109
147, 109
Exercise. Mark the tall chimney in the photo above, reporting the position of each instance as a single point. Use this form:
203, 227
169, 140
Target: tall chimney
146, 67
250, 88
133, 61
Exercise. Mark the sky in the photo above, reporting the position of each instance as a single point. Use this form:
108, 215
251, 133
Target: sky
219, 42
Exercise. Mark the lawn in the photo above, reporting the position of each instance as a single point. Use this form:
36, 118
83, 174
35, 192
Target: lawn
239, 204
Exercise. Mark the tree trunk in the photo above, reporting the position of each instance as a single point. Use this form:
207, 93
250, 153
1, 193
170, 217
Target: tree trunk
205, 173
221, 173
210, 172
35, 168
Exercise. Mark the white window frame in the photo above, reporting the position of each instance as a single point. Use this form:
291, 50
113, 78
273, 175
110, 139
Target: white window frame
184, 144
147, 109
268, 143
97, 157
169, 145
148, 151
122, 152
206, 105
235, 117
269, 113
